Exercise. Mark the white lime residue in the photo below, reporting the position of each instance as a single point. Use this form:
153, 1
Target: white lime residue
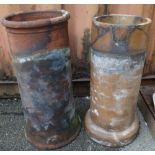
126, 67
119, 94
96, 112
110, 64
40, 55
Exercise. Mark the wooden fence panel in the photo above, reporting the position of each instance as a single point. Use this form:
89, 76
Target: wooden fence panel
133, 9
79, 29
149, 68
79, 26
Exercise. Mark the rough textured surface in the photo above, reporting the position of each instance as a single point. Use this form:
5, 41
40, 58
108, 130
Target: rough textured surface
115, 80
45, 86
118, 46
12, 131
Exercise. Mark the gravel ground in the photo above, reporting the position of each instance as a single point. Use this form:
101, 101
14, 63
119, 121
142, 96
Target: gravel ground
12, 131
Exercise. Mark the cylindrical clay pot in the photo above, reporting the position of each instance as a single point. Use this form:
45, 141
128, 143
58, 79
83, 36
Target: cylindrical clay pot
117, 59
41, 56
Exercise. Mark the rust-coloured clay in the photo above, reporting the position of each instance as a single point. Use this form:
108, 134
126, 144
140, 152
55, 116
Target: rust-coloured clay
41, 56
117, 60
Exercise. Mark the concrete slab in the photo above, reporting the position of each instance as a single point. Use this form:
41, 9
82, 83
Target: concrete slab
12, 131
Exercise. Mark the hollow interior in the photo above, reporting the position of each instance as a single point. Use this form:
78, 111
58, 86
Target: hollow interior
122, 20
32, 16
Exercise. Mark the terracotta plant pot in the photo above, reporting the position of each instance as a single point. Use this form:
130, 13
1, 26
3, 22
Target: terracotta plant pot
41, 56
118, 49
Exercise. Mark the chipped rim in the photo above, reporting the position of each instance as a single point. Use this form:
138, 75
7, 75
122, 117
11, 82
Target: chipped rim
35, 23
98, 23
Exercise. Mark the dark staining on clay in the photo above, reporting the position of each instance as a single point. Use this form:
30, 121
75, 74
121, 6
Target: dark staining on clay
100, 32
119, 44
119, 37
86, 44
46, 92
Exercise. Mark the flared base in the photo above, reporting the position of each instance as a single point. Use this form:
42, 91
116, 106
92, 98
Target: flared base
111, 138
47, 140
